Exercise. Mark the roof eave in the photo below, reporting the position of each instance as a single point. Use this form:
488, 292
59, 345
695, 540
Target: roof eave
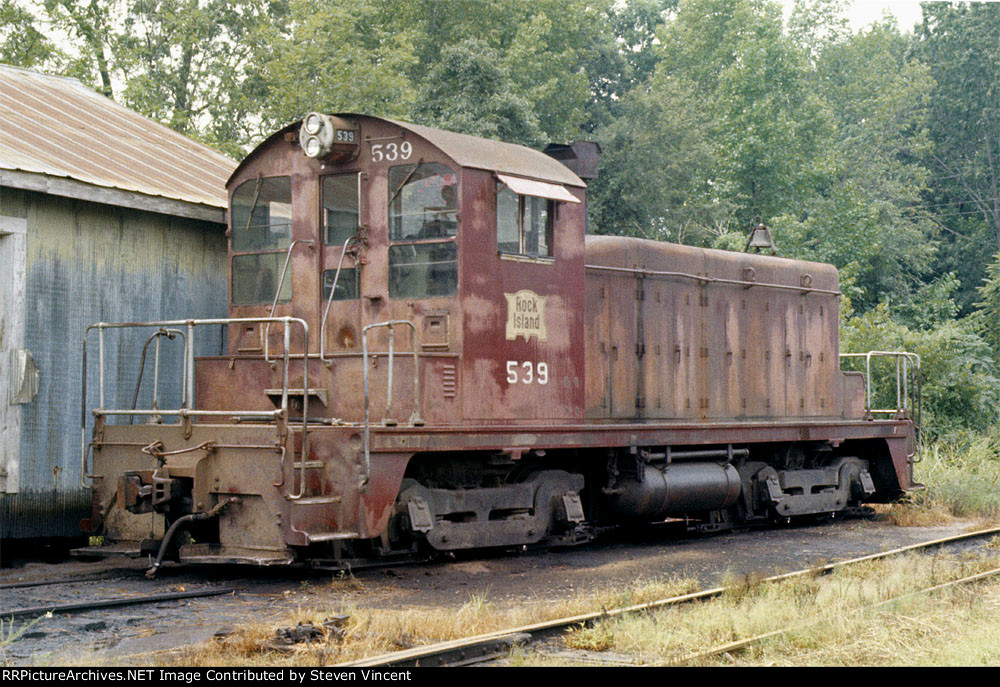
71, 188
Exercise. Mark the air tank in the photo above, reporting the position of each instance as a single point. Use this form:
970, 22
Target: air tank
676, 489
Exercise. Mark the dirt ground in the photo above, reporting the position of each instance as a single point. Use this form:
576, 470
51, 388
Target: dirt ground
504, 580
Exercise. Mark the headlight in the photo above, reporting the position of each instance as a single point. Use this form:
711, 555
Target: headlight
313, 123
311, 146
316, 134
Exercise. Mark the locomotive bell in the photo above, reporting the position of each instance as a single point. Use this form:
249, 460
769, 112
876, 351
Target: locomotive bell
760, 239
327, 137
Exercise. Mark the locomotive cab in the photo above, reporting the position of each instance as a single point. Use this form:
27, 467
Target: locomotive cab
475, 255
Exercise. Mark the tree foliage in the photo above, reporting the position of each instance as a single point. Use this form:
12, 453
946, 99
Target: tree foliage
960, 44
864, 213
987, 314
961, 388
470, 90
656, 166
22, 44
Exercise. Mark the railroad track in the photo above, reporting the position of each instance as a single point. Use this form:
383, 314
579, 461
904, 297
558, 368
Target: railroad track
94, 611
117, 602
750, 641
490, 646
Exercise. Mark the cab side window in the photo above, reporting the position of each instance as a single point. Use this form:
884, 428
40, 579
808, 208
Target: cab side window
524, 224
347, 286
423, 224
341, 195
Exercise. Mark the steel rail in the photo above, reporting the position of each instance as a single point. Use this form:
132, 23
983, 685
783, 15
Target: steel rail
750, 641
97, 577
84, 606
489, 645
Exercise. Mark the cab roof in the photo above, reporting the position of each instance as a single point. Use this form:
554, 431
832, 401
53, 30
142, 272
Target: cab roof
468, 151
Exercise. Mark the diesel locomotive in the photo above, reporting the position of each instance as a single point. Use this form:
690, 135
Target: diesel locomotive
424, 351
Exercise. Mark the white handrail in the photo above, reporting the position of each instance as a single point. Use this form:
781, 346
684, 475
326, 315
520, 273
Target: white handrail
329, 301
187, 409
416, 416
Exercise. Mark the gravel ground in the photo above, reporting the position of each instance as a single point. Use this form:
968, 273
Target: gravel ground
505, 580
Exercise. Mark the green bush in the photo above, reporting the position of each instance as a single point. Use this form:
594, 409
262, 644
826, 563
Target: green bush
960, 387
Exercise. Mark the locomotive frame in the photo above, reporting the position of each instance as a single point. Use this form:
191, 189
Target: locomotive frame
553, 383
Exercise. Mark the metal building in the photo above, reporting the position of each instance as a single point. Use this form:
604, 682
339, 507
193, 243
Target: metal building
105, 215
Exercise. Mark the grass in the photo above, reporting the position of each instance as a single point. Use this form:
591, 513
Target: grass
371, 632
833, 616
962, 478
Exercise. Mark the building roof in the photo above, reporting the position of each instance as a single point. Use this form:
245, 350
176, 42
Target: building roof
59, 136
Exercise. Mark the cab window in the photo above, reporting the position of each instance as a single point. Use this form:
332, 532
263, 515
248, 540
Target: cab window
423, 202
347, 284
423, 224
524, 224
340, 208
261, 233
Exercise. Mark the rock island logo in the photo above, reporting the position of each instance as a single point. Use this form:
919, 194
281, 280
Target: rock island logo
525, 315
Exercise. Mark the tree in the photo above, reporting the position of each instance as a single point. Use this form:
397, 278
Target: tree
864, 212
961, 42
186, 63
767, 126
470, 91
617, 68
554, 51
332, 57
819, 24
21, 43
655, 177
91, 22
181, 59
960, 388
988, 308
961, 45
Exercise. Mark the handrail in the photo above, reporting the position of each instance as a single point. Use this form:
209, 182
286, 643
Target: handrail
416, 416
805, 287
170, 334
902, 375
277, 293
187, 409
907, 398
329, 301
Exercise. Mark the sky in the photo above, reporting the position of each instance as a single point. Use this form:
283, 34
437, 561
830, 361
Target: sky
864, 12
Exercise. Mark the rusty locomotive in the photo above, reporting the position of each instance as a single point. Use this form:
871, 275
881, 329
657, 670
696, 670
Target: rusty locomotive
425, 352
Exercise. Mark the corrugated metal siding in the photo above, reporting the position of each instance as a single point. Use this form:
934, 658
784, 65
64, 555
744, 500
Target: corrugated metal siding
87, 263
57, 126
